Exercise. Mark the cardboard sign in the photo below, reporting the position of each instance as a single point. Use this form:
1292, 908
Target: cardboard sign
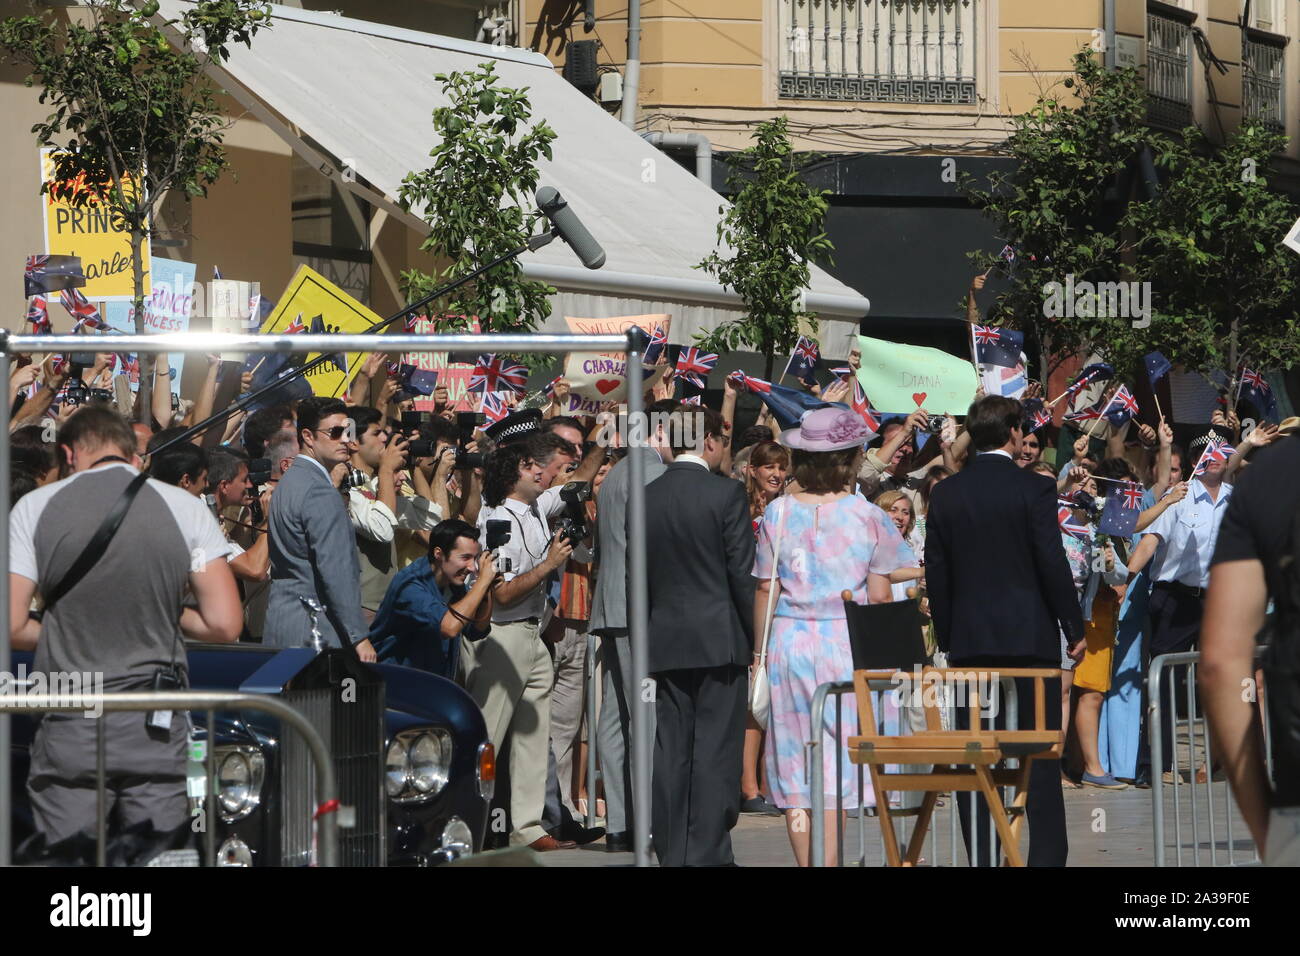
310, 294
89, 232
168, 309
912, 376
602, 376
454, 376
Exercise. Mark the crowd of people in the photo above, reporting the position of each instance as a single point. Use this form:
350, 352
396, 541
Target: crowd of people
491, 554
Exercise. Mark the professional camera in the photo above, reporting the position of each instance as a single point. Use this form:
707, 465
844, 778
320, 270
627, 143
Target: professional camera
466, 423
498, 533
575, 496
419, 448
411, 421
77, 392
259, 474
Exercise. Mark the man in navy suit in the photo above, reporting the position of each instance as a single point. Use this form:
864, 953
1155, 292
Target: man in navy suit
701, 642
1001, 593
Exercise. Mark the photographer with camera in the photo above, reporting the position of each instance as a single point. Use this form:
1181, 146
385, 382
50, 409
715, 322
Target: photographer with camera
376, 505
229, 485
893, 466
69, 542
509, 673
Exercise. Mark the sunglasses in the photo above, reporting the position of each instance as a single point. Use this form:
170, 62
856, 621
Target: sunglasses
336, 433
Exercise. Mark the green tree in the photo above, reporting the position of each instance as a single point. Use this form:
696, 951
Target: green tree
1223, 287
474, 197
1059, 207
767, 238
134, 117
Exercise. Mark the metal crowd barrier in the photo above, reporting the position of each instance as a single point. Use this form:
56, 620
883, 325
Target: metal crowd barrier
815, 774
209, 701
210, 342
1205, 808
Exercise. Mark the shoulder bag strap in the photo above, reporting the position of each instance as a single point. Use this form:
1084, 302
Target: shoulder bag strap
98, 543
771, 585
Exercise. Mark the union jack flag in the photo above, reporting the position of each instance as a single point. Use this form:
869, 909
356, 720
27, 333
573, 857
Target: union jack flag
393, 367
1253, 379
549, 387
38, 314
1216, 450
494, 407
987, 334
658, 342
492, 374
127, 365
748, 384
35, 264
79, 306
1096, 370
692, 400
1090, 414
1069, 524
694, 366
863, 407
1132, 496
58, 364
1038, 418
296, 326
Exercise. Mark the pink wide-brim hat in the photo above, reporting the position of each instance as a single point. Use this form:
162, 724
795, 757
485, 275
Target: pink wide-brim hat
828, 429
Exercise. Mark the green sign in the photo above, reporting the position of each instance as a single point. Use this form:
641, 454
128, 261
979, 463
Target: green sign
900, 378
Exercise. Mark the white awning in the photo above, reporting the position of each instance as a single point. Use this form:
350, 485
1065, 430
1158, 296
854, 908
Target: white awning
365, 93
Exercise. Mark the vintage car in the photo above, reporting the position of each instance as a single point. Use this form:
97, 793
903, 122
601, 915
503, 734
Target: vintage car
414, 765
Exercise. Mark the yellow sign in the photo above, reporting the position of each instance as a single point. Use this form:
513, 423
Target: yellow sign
313, 302
88, 232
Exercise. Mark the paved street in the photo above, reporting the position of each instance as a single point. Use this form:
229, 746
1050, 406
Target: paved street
1106, 828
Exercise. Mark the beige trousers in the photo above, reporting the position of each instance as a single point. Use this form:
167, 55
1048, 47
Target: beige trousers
509, 675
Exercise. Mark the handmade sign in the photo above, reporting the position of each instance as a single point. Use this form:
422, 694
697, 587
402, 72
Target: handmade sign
601, 377
900, 376
168, 308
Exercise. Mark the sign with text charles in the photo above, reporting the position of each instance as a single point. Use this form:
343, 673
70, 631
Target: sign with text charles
168, 308
88, 231
599, 377
903, 377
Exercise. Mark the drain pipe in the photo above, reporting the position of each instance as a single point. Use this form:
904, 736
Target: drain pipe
632, 69
697, 141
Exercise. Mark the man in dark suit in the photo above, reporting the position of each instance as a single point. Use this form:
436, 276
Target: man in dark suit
1001, 593
701, 549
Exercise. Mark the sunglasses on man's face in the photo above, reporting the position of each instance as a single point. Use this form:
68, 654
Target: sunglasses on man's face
337, 433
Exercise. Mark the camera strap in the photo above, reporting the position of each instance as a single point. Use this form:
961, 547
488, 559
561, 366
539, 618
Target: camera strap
98, 542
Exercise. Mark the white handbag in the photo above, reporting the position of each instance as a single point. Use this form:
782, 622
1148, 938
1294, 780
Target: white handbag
760, 693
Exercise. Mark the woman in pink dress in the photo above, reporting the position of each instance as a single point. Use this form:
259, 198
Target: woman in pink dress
830, 540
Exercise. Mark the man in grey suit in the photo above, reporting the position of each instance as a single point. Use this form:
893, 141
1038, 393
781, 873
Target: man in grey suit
313, 550
609, 621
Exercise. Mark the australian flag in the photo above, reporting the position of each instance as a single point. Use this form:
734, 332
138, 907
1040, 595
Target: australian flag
1097, 372
44, 274
1036, 415
275, 366
416, 381
1123, 505
1256, 390
652, 344
803, 361
1157, 366
997, 346
1122, 407
786, 404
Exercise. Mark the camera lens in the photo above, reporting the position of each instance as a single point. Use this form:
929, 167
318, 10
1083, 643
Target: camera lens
419, 448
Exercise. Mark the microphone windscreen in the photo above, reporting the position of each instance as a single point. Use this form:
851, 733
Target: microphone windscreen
570, 228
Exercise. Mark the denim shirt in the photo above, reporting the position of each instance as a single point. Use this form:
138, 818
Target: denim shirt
407, 627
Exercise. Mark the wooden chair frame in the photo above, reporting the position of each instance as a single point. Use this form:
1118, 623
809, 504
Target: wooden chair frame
979, 749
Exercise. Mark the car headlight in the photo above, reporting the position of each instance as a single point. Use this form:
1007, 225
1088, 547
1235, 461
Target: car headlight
431, 761
234, 852
240, 773
418, 764
397, 768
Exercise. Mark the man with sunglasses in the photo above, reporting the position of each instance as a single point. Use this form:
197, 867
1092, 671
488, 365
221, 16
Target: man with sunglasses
313, 551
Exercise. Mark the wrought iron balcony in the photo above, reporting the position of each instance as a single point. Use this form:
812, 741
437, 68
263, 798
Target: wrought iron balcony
1263, 90
884, 51
1169, 68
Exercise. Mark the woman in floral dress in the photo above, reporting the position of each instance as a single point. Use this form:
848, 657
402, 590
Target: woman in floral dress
830, 540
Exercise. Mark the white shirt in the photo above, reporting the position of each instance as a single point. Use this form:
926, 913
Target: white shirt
998, 451
373, 519
530, 538
1187, 532
691, 459
309, 458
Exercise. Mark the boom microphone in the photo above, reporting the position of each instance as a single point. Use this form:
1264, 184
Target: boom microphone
570, 228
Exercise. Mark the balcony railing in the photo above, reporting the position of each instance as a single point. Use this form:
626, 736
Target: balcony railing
884, 51
1263, 92
1169, 71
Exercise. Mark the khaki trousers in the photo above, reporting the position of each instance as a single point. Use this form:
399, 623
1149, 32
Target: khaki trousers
509, 674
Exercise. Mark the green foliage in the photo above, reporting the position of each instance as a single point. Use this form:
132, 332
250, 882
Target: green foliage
474, 197
1207, 242
1054, 209
773, 229
128, 106
1209, 245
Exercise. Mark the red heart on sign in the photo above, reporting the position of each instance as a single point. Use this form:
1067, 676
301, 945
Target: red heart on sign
919, 397
607, 385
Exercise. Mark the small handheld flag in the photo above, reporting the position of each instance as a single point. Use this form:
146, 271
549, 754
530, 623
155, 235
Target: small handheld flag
1123, 506
1157, 366
1256, 390
1068, 523
494, 407
1121, 407
1216, 450
694, 366
493, 374
81, 309
46, 274
38, 314
786, 404
997, 346
416, 381
803, 361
